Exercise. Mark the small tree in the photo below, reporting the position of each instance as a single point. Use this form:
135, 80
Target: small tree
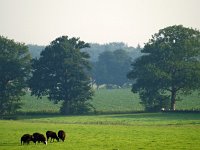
61, 72
14, 72
170, 65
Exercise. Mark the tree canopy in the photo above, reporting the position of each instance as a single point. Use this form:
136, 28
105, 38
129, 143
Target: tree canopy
61, 72
112, 67
170, 65
14, 71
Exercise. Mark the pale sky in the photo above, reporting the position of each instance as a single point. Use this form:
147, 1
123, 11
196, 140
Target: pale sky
101, 21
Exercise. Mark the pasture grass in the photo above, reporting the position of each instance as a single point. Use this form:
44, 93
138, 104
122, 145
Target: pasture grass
147, 131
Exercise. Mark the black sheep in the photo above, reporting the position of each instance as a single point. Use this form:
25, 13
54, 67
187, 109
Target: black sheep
52, 135
26, 138
39, 138
61, 135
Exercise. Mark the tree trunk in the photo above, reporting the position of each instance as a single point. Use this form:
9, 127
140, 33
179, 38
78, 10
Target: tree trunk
173, 100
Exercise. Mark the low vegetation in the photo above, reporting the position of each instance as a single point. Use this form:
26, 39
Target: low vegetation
106, 101
109, 132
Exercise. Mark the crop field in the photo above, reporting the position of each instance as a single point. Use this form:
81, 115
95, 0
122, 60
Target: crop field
147, 131
115, 100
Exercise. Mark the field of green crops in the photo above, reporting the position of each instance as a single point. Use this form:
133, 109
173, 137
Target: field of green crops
116, 100
146, 131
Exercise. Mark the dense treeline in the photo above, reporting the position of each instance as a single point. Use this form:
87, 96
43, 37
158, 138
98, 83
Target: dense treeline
94, 50
35, 50
65, 70
110, 62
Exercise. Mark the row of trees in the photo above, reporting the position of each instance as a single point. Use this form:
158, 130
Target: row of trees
170, 64
110, 62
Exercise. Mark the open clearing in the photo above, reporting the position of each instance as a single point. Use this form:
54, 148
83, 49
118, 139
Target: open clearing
147, 131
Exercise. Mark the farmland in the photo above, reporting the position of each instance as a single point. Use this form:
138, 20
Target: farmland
107, 132
128, 131
115, 100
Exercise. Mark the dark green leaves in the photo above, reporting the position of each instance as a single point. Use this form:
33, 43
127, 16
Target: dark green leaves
14, 72
61, 73
171, 63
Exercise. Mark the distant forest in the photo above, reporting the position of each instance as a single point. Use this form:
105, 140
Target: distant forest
110, 62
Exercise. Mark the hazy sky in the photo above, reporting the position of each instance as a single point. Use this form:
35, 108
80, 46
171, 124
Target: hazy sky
101, 21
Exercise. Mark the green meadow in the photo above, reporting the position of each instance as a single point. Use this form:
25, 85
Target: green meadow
127, 131
148, 131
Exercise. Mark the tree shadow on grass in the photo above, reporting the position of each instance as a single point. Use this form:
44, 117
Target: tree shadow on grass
30, 115
162, 116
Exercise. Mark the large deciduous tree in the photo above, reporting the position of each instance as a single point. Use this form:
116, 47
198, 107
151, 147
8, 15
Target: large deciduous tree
14, 72
61, 72
170, 65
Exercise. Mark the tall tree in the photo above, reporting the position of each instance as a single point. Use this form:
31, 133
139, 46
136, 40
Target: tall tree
170, 65
61, 72
14, 71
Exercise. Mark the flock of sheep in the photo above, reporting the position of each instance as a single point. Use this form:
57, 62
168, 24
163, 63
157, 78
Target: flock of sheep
38, 137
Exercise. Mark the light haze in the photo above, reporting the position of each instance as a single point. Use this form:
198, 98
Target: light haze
97, 21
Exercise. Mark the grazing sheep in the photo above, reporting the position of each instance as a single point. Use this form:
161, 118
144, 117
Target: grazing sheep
61, 135
39, 138
26, 138
52, 135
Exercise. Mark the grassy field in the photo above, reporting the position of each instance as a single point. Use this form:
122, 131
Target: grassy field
138, 131
146, 131
116, 100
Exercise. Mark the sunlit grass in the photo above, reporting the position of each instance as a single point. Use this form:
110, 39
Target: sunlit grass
123, 132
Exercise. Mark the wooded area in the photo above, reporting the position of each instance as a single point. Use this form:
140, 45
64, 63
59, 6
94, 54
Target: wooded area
67, 70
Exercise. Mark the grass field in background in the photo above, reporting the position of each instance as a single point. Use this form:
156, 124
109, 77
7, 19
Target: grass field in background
32, 104
146, 131
115, 100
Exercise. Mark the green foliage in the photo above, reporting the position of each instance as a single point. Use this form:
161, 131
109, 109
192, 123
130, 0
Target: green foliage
61, 73
96, 49
112, 67
108, 132
35, 50
170, 66
98, 68
14, 71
